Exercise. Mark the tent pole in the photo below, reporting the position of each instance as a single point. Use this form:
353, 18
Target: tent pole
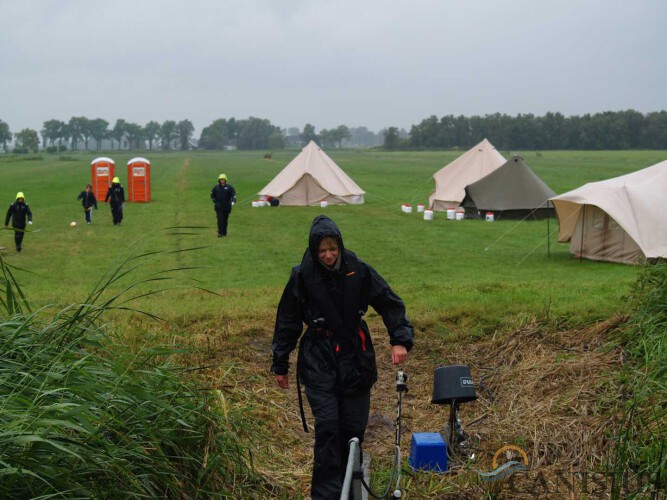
581, 246
548, 234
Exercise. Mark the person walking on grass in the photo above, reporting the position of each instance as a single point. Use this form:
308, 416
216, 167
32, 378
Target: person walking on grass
19, 213
223, 196
116, 197
329, 293
88, 201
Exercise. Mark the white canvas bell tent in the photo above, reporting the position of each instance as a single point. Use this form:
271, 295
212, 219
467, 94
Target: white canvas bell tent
312, 177
451, 180
618, 220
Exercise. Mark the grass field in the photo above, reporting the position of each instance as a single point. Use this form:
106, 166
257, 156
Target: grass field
471, 273
458, 278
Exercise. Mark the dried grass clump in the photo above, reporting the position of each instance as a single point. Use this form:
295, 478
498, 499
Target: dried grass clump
552, 393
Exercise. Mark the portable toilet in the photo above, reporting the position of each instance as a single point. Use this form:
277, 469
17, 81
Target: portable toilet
139, 180
103, 170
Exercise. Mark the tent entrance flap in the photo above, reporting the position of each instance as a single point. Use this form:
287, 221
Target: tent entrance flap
307, 190
597, 236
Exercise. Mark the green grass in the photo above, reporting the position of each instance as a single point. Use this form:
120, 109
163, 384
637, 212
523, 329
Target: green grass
82, 417
470, 274
641, 444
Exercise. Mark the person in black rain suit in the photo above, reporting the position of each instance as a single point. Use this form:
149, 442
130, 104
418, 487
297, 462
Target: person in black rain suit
19, 212
223, 196
116, 196
329, 292
88, 201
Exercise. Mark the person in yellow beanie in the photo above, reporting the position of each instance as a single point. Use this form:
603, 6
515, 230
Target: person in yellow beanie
223, 196
19, 212
116, 198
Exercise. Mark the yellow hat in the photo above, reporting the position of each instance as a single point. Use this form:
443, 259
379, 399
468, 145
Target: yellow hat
222, 176
20, 195
116, 180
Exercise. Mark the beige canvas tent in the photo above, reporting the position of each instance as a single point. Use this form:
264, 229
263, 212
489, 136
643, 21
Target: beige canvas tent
312, 177
471, 166
618, 220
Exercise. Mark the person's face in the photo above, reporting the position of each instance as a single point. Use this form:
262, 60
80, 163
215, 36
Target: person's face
19, 200
328, 252
223, 182
88, 189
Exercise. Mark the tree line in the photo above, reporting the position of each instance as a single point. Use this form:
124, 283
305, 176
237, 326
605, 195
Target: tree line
80, 131
251, 133
608, 130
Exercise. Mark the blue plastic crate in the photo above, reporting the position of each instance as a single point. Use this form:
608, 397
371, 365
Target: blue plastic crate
428, 452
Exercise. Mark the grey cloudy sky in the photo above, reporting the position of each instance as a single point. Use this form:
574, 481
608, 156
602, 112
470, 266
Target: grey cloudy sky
375, 63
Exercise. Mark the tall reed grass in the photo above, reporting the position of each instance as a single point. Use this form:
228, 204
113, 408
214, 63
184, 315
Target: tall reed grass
639, 460
81, 416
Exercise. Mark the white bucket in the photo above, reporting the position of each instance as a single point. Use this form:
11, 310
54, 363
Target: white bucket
428, 214
406, 209
451, 214
324, 203
489, 216
460, 214
420, 207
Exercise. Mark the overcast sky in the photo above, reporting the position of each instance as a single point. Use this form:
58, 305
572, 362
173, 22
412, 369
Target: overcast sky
373, 63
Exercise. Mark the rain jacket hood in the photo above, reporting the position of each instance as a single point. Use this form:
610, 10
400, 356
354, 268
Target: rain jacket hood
322, 227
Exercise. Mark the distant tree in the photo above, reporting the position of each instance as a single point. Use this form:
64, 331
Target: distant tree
133, 135
361, 136
86, 130
5, 135
215, 136
27, 139
422, 135
293, 131
78, 126
654, 134
340, 134
151, 132
633, 123
327, 138
255, 133
277, 140
118, 131
554, 128
391, 139
99, 130
167, 134
51, 131
185, 129
64, 135
308, 134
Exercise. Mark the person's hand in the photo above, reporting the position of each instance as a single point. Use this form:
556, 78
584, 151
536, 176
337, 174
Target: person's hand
283, 381
398, 354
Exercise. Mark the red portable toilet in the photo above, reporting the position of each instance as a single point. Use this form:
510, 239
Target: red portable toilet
103, 170
139, 180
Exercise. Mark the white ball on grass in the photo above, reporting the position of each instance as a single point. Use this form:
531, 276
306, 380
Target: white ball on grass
72, 223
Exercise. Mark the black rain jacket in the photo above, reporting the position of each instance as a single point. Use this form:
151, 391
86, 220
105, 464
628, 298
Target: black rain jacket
88, 200
223, 196
115, 195
19, 213
336, 352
